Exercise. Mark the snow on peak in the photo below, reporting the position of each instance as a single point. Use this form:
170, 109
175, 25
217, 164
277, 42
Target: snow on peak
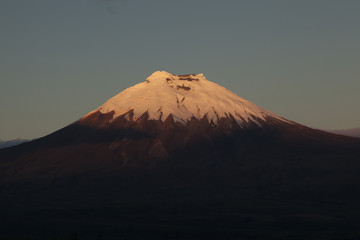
184, 97
163, 76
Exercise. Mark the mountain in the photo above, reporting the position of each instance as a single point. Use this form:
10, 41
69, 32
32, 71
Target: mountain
10, 143
180, 157
354, 132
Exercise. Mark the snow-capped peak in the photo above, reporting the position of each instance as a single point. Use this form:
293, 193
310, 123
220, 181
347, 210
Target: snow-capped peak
184, 97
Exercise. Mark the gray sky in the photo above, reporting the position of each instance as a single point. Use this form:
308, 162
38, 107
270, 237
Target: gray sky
62, 59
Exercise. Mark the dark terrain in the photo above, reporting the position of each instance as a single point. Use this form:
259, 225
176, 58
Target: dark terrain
154, 180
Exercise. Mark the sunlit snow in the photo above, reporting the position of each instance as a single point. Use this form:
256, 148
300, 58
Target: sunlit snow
185, 97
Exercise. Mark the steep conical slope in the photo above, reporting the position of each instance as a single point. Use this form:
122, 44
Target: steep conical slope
167, 113
166, 117
175, 111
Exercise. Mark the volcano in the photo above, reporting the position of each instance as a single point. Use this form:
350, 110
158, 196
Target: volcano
180, 157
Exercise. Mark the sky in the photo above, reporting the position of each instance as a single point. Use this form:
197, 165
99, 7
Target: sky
62, 59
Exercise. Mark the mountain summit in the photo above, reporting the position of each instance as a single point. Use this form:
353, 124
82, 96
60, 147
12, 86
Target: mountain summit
184, 97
